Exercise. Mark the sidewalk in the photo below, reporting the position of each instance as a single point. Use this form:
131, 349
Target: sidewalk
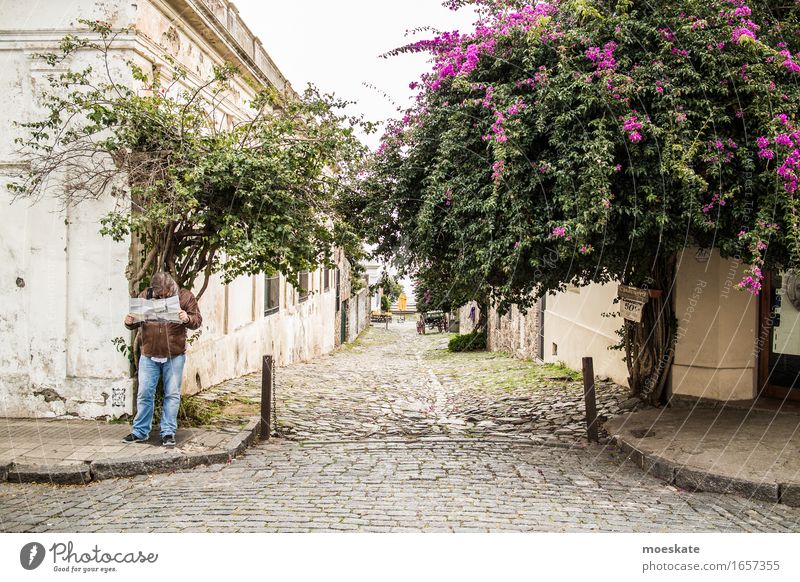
70, 452
752, 450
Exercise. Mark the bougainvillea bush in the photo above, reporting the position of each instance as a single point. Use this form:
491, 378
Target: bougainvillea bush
584, 141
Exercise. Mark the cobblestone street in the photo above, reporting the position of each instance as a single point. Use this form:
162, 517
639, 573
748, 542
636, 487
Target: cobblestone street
395, 434
397, 384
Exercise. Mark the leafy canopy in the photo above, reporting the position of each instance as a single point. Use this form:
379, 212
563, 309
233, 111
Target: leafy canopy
201, 186
587, 141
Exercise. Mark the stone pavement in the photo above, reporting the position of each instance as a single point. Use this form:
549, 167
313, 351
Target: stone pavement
396, 384
76, 452
747, 451
395, 434
375, 487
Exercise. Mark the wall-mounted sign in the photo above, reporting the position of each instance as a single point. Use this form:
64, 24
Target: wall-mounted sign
631, 302
631, 310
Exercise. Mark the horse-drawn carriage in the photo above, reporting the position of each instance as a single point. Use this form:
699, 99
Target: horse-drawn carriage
432, 320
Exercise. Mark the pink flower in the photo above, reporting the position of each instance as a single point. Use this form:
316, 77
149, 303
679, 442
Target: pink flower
497, 170
635, 136
766, 154
741, 33
602, 58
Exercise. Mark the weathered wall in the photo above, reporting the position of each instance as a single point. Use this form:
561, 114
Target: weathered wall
714, 356
62, 287
226, 348
358, 316
465, 323
515, 332
63, 292
574, 328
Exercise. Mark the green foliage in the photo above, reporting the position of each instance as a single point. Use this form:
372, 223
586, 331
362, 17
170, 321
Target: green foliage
390, 284
560, 369
202, 192
568, 194
357, 272
468, 342
386, 304
195, 411
124, 348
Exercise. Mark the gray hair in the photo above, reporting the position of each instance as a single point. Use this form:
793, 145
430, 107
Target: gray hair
164, 285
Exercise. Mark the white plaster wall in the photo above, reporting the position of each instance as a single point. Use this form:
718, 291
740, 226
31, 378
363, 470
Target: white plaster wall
573, 321
57, 357
297, 332
57, 16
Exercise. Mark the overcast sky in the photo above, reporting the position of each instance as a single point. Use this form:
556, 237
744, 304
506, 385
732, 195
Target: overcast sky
336, 44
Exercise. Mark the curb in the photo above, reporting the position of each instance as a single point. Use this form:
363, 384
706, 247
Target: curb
99, 470
693, 479
58, 475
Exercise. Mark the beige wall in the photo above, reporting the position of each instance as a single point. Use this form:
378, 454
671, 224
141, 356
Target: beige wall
714, 356
573, 321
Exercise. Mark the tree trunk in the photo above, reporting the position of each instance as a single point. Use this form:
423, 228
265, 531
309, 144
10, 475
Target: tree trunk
650, 344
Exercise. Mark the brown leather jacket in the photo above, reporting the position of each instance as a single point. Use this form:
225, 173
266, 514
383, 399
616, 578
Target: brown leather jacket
166, 340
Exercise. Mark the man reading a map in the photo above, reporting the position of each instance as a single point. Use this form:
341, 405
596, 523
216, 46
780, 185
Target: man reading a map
162, 337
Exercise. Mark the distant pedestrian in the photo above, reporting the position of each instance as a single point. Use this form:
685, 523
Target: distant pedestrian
163, 347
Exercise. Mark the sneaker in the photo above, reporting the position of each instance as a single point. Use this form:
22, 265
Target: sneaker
132, 438
168, 440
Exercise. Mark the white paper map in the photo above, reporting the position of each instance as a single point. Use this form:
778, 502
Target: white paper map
155, 309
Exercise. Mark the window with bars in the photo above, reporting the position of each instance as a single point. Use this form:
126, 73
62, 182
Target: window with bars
272, 287
305, 284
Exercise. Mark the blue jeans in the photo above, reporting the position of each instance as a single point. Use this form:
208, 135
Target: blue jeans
171, 373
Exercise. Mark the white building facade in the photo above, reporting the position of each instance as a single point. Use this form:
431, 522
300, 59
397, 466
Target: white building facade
63, 291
